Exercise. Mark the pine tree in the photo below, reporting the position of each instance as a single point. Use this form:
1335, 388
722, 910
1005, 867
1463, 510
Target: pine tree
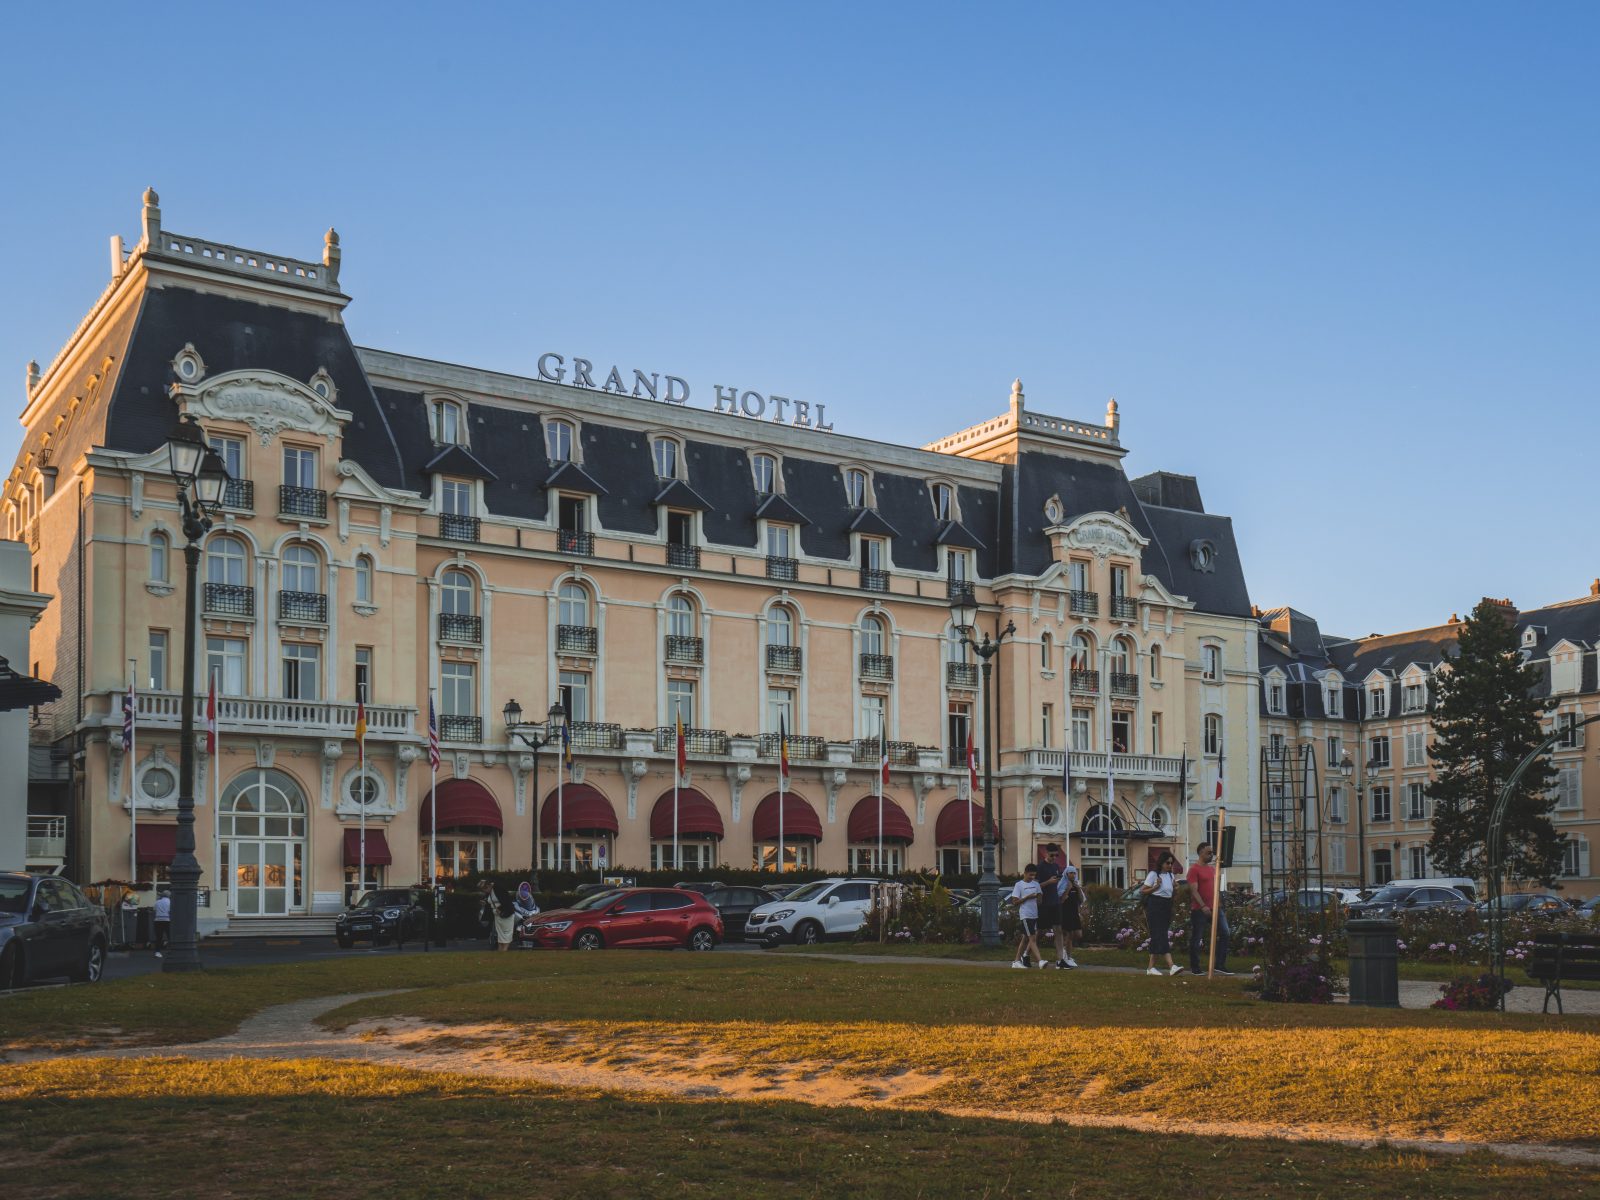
1488, 720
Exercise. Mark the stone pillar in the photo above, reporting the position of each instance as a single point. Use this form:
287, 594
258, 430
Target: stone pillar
20, 606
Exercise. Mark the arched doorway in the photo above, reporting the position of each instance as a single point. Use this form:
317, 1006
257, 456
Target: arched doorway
263, 815
1104, 848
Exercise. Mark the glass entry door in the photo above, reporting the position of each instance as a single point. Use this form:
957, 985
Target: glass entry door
263, 845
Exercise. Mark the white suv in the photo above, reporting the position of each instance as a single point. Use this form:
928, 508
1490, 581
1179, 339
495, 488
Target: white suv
828, 908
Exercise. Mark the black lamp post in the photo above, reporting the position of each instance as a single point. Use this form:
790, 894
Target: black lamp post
1347, 768
964, 615
536, 741
201, 480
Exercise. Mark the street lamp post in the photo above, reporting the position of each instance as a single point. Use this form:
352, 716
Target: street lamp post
964, 615
536, 742
201, 480
1347, 769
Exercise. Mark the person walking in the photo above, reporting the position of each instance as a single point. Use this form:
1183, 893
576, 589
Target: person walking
1071, 892
1025, 895
500, 914
162, 921
1047, 874
1157, 891
1203, 899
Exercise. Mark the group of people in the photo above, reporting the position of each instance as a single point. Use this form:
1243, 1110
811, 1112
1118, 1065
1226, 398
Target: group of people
1050, 899
500, 917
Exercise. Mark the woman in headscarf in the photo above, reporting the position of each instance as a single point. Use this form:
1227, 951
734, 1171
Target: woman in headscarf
526, 905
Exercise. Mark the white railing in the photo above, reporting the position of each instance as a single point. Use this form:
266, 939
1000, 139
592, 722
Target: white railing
47, 838
1090, 765
1082, 429
247, 715
245, 260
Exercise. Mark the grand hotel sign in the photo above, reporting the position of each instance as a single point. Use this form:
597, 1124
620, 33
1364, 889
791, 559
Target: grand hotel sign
674, 389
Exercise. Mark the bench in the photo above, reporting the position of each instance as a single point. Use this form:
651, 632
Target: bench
1563, 956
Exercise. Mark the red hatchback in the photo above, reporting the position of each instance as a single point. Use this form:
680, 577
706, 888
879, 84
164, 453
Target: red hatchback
633, 917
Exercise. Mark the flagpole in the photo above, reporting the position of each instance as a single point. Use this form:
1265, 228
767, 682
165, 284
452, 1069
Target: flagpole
133, 771
361, 756
677, 758
433, 787
883, 765
972, 787
783, 779
216, 778
561, 779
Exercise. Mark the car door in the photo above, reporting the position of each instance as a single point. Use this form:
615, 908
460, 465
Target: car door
673, 912
53, 942
629, 921
850, 913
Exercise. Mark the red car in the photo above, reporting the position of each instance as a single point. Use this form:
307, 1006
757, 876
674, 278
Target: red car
632, 917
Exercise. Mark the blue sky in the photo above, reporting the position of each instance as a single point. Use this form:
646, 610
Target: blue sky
1337, 261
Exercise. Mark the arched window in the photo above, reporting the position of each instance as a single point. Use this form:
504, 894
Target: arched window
680, 616
302, 569
160, 549
780, 626
457, 593
944, 502
855, 487
363, 579
573, 605
1122, 653
664, 451
955, 650
1213, 733
1158, 817
1155, 662
1082, 652
1047, 652
764, 469
873, 635
558, 440
225, 560
449, 423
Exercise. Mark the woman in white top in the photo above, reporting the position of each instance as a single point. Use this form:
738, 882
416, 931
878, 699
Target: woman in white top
1157, 891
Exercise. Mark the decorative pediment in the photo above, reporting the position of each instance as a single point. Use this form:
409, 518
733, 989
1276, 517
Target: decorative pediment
267, 402
1101, 534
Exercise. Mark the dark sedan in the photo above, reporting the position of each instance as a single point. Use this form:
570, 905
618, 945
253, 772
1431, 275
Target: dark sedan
735, 904
1396, 901
48, 929
384, 915
1530, 904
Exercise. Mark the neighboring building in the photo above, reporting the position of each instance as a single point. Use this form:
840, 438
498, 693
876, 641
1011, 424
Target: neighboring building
1372, 700
25, 840
410, 527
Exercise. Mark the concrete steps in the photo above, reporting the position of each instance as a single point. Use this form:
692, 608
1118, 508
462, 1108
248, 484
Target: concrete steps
278, 927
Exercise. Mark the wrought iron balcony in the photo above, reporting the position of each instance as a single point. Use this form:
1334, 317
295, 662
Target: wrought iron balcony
577, 639
785, 570
596, 735
696, 741
959, 589
679, 555
308, 607
461, 627
956, 756
302, 502
239, 494
874, 580
1087, 682
1084, 604
901, 754
1124, 608
1124, 684
228, 600
458, 528
690, 651
877, 666
783, 658
571, 541
456, 728
961, 675
802, 747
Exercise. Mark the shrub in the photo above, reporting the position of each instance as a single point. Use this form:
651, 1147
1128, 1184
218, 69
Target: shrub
1299, 983
1472, 993
921, 914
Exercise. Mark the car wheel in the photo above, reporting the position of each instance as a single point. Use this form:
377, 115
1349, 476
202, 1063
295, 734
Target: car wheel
11, 973
587, 940
346, 942
94, 964
808, 933
702, 939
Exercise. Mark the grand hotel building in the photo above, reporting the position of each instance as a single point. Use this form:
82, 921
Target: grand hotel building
401, 526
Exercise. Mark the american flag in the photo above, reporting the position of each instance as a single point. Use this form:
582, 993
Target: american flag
128, 703
433, 736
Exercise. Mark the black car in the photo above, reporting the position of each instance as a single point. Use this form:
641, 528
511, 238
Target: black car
704, 888
48, 928
384, 915
1528, 904
1396, 900
735, 904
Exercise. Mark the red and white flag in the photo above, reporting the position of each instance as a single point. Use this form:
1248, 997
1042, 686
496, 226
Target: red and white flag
1219, 771
883, 757
211, 716
972, 766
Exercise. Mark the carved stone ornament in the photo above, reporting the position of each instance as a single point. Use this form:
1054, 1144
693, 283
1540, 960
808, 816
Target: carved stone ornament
634, 774
834, 781
738, 775
1103, 534
266, 751
267, 402
1054, 510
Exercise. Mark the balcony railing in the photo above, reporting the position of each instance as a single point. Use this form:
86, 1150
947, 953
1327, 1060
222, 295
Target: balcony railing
783, 658
458, 528
901, 754
681, 648
228, 600
696, 741
1083, 604
802, 747
961, 675
577, 639
956, 756
1124, 608
874, 580
47, 838
877, 666
785, 570
456, 728
236, 714
302, 502
569, 541
959, 589
461, 627
1124, 684
239, 494
1087, 682
1092, 765
311, 607
596, 735
683, 556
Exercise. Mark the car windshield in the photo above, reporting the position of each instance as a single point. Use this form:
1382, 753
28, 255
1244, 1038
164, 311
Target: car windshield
1390, 895
383, 899
811, 890
14, 895
598, 900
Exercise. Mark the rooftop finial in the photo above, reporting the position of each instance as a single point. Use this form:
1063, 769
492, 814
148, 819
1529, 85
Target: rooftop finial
152, 219
1113, 420
331, 238
33, 374
330, 255
151, 200
1016, 395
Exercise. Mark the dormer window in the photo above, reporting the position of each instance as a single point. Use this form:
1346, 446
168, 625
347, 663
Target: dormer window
449, 423
1275, 697
1335, 701
855, 488
1414, 697
558, 441
665, 453
1378, 701
944, 506
764, 470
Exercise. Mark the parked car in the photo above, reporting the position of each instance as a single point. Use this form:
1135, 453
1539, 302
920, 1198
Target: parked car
827, 908
735, 904
595, 889
704, 888
1397, 899
48, 928
780, 890
632, 917
1540, 904
384, 915
1308, 899
1590, 908
1460, 883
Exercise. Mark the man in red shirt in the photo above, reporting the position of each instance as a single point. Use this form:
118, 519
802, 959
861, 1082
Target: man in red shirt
1202, 880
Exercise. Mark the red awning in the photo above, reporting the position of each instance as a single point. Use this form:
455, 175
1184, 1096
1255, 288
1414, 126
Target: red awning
799, 819
378, 854
864, 822
951, 827
697, 815
463, 803
156, 843
582, 810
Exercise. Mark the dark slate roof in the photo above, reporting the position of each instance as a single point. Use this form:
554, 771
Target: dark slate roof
1220, 590
679, 494
573, 478
957, 534
778, 508
457, 460
868, 521
1168, 490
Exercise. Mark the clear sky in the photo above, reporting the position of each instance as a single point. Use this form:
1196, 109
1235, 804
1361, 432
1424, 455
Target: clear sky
1339, 261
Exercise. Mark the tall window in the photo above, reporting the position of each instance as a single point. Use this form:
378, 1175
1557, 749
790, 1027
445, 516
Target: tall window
1567, 727
1382, 867
1082, 652
872, 554
1155, 733
680, 702
1078, 575
764, 470
959, 563
1416, 802
1082, 728
1413, 697
363, 678
301, 664
1378, 701
299, 467
1336, 813
780, 540
1155, 664
455, 498
874, 715
1417, 859
158, 660
1119, 581
363, 579
873, 639
1378, 751
958, 724
573, 605
1047, 724
456, 593
225, 560
1211, 663
575, 694
780, 626
1382, 806
1212, 736
855, 488
665, 453
1274, 696
943, 502
558, 441
1569, 789
160, 557
680, 615
1121, 732
449, 424
780, 710
1121, 656
231, 452
302, 569
1275, 747
458, 691
1416, 748
1047, 652
225, 659
1335, 750
1334, 700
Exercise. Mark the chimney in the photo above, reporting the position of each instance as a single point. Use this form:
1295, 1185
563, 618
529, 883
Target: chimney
1506, 609
1594, 588
116, 255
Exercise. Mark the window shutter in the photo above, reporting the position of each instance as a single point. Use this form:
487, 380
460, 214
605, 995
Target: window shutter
1583, 856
